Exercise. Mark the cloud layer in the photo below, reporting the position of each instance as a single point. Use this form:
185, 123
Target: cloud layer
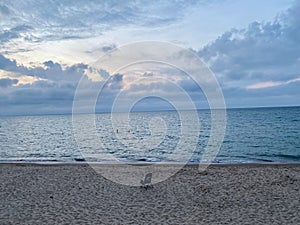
68, 19
263, 55
256, 66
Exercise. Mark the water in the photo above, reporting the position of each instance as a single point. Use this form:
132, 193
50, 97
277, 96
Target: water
252, 135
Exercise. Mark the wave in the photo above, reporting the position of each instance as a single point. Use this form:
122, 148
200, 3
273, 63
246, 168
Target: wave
296, 157
270, 157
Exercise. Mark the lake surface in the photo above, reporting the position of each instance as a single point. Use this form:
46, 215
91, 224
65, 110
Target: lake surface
252, 135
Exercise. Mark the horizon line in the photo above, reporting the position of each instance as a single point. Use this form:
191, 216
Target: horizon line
143, 111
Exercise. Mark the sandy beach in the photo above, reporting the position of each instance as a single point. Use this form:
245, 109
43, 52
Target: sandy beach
223, 194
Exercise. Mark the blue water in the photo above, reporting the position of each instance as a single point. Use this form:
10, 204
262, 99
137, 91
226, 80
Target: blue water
252, 135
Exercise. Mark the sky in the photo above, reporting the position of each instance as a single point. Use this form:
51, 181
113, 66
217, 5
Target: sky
47, 47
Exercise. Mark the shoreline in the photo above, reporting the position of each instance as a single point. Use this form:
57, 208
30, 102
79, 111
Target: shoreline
56, 163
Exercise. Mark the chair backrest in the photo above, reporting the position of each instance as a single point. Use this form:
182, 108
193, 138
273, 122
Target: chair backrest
147, 179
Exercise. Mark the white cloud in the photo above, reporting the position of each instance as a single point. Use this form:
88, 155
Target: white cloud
271, 84
260, 53
68, 19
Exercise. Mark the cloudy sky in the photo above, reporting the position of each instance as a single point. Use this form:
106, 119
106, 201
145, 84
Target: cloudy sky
46, 47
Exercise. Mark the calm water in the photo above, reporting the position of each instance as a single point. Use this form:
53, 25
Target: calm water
252, 135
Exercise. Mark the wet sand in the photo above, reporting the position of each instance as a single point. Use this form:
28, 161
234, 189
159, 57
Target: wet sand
223, 194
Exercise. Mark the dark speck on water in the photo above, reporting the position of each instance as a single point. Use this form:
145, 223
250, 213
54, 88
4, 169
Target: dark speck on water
79, 159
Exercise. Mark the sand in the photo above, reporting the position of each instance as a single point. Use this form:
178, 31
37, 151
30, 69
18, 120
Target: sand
223, 194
